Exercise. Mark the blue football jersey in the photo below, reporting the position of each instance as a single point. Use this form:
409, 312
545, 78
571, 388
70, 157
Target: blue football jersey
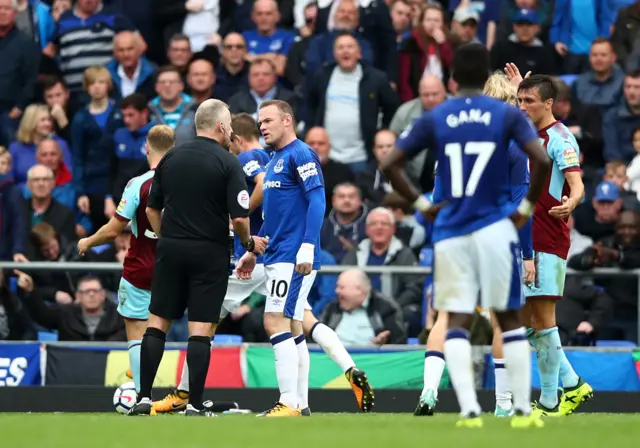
253, 163
291, 173
472, 136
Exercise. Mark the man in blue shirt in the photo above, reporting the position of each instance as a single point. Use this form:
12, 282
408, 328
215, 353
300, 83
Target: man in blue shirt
476, 246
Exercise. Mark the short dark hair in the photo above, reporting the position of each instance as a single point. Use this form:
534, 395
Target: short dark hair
634, 73
544, 84
602, 40
245, 126
347, 184
345, 33
49, 82
168, 69
562, 89
471, 66
178, 37
88, 278
135, 100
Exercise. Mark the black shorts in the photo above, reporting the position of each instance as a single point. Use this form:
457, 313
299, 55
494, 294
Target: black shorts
189, 274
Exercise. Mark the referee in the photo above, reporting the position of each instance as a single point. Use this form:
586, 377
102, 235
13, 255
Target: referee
197, 186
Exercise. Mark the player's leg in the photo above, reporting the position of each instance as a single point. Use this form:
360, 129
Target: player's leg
328, 340
503, 389
501, 291
433, 366
283, 285
304, 364
456, 292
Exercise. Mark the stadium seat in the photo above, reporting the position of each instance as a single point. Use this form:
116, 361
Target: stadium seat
227, 339
569, 79
624, 344
47, 336
412, 341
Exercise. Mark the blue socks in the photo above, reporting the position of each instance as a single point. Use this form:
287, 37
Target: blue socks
549, 358
568, 376
134, 361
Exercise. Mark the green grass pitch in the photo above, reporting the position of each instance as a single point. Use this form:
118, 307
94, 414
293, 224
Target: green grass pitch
321, 430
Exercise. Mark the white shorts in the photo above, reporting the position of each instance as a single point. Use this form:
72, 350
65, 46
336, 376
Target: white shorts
238, 290
485, 262
287, 291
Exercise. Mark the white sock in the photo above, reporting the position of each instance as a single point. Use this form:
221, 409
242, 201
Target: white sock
326, 338
503, 390
184, 378
304, 363
517, 356
433, 368
286, 354
457, 353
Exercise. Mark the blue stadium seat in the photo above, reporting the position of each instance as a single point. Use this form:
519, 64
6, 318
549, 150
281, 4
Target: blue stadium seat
605, 343
227, 339
413, 341
47, 336
569, 79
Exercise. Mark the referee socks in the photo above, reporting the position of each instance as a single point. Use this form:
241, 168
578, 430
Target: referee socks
150, 356
198, 357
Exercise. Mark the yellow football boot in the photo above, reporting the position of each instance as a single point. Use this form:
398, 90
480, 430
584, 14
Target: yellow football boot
473, 421
361, 389
574, 397
280, 410
526, 421
175, 401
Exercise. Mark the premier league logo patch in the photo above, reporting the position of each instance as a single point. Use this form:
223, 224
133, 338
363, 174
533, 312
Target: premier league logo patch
279, 166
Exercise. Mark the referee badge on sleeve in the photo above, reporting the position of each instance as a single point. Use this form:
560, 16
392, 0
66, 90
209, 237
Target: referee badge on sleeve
243, 199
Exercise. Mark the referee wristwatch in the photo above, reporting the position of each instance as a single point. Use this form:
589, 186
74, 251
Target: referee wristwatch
249, 245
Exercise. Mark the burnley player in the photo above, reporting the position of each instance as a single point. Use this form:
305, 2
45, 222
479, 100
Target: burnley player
134, 292
294, 205
562, 193
476, 244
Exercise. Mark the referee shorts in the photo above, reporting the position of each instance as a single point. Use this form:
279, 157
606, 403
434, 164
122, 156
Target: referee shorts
191, 274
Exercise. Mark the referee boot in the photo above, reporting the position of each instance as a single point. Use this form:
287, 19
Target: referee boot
280, 410
361, 389
175, 401
206, 411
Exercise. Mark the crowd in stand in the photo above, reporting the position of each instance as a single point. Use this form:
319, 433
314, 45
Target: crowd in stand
81, 84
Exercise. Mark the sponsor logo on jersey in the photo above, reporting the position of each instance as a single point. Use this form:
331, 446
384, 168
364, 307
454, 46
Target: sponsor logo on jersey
243, 199
271, 184
307, 170
279, 166
469, 116
251, 167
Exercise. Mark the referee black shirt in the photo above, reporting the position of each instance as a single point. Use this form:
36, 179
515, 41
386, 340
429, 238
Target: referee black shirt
199, 184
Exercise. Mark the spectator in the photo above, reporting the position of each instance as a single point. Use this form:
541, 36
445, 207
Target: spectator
347, 99
524, 48
268, 41
620, 122
89, 318
179, 54
201, 22
616, 172
296, 67
233, 72
57, 97
510, 8
621, 250
626, 32
59, 7
431, 92
597, 219
602, 84
489, 12
84, 38
55, 286
334, 173
400, 12
130, 71
321, 51
382, 248
582, 312
201, 79
129, 153
91, 140
173, 107
41, 207
426, 52
633, 170
408, 230
263, 86
35, 126
372, 183
574, 28
323, 290
18, 72
464, 27
361, 315
344, 228
13, 237
579, 242
34, 19
15, 324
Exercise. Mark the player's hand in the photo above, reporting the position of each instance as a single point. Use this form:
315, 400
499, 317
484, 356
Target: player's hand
63, 298
304, 259
513, 74
563, 211
518, 219
25, 282
260, 244
245, 266
304, 268
382, 337
242, 311
83, 246
83, 204
529, 271
109, 208
584, 327
433, 211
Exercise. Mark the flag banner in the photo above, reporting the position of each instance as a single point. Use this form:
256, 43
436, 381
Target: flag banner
636, 361
385, 370
20, 365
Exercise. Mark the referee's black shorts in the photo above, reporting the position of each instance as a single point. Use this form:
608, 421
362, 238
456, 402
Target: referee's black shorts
191, 274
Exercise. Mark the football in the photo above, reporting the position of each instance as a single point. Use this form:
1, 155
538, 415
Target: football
125, 397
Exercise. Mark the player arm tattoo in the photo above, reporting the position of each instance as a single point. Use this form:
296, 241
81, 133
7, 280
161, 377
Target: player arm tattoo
256, 197
541, 164
155, 219
109, 231
393, 169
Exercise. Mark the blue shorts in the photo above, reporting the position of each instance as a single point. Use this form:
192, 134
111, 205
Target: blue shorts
133, 302
551, 271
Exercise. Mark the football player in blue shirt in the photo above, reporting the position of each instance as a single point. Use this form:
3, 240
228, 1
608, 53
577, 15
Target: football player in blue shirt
476, 245
294, 205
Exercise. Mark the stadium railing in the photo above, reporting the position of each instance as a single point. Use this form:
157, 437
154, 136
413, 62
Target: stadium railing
330, 269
